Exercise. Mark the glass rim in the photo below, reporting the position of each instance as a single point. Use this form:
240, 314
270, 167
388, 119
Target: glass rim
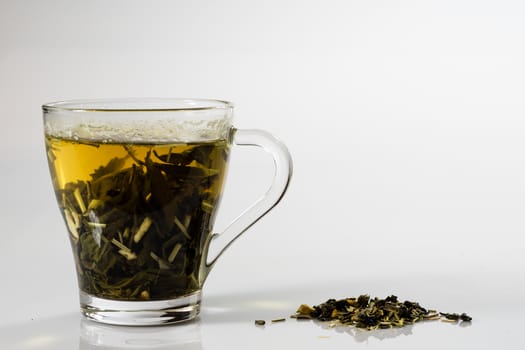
137, 105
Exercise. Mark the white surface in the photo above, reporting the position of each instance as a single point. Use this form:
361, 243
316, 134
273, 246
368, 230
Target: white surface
227, 321
405, 121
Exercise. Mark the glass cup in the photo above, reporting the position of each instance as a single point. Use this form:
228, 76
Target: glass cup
138, 182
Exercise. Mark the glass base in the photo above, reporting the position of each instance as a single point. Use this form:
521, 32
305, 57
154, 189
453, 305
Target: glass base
140, 313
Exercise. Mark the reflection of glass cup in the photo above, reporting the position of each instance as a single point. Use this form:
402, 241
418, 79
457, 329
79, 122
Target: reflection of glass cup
96, 336
138, 182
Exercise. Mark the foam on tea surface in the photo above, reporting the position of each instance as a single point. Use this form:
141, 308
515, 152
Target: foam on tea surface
144, 121
139, 131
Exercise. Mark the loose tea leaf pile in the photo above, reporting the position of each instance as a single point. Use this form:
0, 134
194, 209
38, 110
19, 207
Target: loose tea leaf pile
373, 313
138, 215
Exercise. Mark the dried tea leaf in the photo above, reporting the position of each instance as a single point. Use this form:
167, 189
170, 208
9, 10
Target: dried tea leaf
373, 313
305, 309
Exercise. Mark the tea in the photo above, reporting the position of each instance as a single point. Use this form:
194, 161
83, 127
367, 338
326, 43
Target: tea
138, 215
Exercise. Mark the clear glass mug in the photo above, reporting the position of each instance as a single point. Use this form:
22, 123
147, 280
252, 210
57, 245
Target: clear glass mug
138, 182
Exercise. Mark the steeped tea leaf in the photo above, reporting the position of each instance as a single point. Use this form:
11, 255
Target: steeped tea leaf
137, 214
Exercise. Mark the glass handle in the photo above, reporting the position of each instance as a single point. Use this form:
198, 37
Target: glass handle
219, 242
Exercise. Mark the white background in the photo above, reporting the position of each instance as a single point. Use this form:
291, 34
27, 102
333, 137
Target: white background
405, 120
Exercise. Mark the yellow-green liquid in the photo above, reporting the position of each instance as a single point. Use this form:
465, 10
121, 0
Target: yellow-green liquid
138, 215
